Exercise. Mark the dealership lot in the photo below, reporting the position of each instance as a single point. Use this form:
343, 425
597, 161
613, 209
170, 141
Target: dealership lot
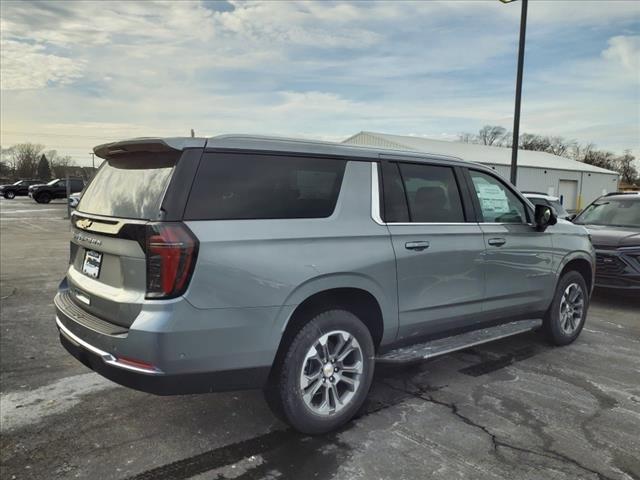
517, 408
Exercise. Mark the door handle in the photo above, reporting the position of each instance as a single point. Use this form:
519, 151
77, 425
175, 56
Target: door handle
418, 246
497, 242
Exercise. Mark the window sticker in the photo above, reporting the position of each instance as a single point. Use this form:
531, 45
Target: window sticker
492, 198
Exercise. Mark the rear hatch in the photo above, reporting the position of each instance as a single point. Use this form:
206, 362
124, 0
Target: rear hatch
119, 215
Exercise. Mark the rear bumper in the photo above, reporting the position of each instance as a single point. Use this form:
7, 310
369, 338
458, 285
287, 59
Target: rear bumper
160, 383
167, 351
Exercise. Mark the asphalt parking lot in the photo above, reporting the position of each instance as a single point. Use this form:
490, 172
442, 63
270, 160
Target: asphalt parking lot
516, 409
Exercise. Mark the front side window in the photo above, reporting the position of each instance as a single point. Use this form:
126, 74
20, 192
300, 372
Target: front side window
498, 203
241, 186
431, 193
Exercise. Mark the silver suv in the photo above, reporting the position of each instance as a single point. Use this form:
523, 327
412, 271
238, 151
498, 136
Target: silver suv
202, 265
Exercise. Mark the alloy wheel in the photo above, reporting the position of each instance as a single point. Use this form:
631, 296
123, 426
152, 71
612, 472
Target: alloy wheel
571, 308
331, 372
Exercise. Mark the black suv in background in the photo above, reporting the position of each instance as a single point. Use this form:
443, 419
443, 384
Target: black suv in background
44, 193
21, 187
613, 221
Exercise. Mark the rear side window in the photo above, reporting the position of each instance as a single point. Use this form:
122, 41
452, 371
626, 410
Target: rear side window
129, 187
239, 186
432, 193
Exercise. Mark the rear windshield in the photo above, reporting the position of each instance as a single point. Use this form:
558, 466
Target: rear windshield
129, 187
243, 186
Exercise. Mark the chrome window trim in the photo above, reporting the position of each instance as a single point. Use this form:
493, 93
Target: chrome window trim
375, 205
375, 195
434, 223
375, 208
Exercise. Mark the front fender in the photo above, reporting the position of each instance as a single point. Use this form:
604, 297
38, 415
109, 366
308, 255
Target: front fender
588, 255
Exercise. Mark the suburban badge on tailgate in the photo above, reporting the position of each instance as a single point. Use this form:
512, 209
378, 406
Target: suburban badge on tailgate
83, 238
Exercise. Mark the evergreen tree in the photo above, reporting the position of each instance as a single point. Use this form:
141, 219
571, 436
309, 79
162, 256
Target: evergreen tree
44, 170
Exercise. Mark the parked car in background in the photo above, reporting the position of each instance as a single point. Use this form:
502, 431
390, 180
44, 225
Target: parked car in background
550, 201
613, 221
74, 198
57, 188
201, 265
21, 187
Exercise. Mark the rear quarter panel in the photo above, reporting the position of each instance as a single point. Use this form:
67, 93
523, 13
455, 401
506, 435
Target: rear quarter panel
279, 263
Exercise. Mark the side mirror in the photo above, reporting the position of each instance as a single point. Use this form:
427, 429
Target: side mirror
544, 217
572, 217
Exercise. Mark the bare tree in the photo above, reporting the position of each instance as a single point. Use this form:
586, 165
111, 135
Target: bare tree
491, 135
580, 152
24, 159
625, 165
60, 166
561, 146
601, 158
5, 169
467, 138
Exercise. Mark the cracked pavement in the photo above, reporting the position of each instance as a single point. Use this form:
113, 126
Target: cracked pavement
516, 408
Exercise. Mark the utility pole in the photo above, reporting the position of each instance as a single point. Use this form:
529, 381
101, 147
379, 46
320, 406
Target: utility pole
93, 160
516, 114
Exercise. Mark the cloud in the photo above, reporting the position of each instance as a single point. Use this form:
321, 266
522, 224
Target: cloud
326, 70
625, 50
26, 66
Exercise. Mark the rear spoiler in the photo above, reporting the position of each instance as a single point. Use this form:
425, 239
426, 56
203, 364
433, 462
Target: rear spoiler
148, 144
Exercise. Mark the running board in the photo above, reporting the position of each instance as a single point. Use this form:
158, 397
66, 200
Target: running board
442, 346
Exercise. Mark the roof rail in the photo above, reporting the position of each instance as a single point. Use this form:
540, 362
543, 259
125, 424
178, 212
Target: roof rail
620, 193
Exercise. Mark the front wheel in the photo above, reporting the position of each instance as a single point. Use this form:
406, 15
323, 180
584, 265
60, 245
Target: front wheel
325, 374
43, 198
9, 195
566, 316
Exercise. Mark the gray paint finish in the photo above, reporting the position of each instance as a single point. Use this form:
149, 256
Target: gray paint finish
250, 275
269, 263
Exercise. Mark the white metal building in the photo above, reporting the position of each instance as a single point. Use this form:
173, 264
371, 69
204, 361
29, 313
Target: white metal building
576, 183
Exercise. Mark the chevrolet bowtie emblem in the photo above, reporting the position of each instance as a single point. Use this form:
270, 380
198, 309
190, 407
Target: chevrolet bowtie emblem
84, 223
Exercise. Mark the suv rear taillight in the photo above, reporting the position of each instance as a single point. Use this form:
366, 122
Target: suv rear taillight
171, 251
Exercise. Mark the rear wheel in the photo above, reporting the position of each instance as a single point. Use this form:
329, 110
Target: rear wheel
43, 198
568, 311
9, 194
325, 374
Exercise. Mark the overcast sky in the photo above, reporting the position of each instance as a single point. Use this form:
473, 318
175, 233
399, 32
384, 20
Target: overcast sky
75, 74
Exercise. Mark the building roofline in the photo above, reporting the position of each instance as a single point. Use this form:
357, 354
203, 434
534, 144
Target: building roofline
396, 139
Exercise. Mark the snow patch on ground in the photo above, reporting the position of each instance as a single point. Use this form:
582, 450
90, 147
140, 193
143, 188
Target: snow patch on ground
22, 408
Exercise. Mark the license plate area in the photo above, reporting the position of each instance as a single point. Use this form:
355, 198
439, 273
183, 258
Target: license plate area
91, 264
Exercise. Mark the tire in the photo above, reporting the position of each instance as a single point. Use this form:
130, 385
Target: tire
9, 195
43, 198
561, 326
303, 366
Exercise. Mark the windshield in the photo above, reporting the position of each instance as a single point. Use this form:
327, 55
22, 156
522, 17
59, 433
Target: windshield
615, 213
53, 182
129, 187
19, 182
